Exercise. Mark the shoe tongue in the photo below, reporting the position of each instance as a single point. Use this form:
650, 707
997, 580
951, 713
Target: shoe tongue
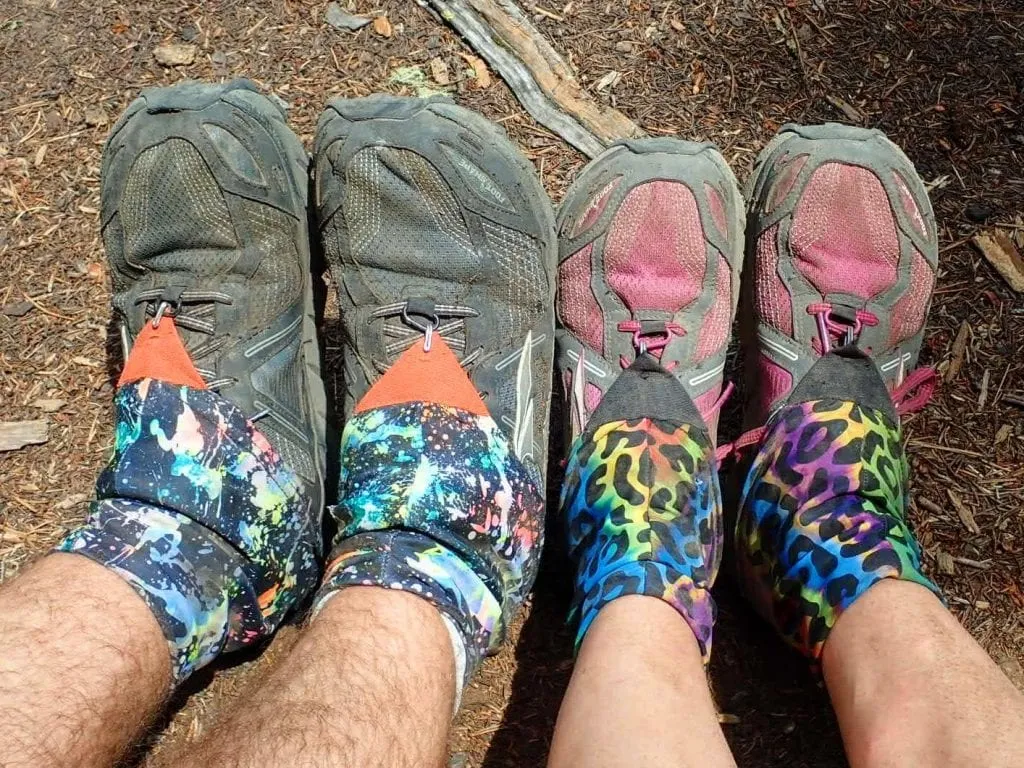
419, 375
158, 353
646, 390
845, 374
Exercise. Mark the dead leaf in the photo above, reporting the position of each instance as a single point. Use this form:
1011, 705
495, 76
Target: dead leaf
119, 28
480, 71
956, 361
175, 54
95, 270
965, 515
382, 26
88, 362
726, 719
439, 71
18, 434
1003, 434
1001, 252
677, 25
40, 154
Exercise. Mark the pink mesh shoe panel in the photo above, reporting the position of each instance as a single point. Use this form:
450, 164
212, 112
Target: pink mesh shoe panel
774, 383
844, 237
577, 306
714, 331
772, 300
655, 255
909, 311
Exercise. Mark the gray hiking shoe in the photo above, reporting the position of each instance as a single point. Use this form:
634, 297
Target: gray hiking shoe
204, 219
842, 253
431, 219
650, 243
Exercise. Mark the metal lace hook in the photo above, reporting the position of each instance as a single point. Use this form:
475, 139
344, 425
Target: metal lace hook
428, 338
161, 309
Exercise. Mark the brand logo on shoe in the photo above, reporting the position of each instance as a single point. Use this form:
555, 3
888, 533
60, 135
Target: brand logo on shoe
483, 181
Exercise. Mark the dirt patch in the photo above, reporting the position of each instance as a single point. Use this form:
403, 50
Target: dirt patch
943, 79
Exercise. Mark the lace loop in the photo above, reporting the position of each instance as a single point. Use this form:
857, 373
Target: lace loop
422, 317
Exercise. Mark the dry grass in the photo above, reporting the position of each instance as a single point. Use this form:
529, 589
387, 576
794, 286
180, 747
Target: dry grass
943, 77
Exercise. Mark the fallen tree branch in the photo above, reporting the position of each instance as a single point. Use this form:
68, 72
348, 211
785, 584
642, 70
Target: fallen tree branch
545, 85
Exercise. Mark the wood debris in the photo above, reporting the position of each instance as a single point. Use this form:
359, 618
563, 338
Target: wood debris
1001, 252
341, 19
956, 361
946, 565
500, 32
965, 515
18, 434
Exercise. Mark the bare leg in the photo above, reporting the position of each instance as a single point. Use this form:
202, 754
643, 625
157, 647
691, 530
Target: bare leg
639, 656
371, 682
83, 665
911, 687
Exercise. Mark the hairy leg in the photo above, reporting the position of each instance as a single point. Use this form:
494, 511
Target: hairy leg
83, 665
371, 682
911, 687
638, 655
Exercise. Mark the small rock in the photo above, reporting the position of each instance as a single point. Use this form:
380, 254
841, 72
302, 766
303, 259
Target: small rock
54, 121
979, 213
382, 26
189, 34
175, 54
16, 309
624, 46
219, 58
95, 116
49, 405
340, 19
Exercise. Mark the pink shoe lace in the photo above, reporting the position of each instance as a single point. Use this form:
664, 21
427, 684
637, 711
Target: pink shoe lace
654, 342
911, 395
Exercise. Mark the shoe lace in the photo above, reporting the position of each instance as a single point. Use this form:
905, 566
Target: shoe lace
194, 310
422, 318
911, 393
651, 337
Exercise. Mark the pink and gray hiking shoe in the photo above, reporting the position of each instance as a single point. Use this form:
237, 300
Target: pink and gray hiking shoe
843, 255
650, 247
843, 252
